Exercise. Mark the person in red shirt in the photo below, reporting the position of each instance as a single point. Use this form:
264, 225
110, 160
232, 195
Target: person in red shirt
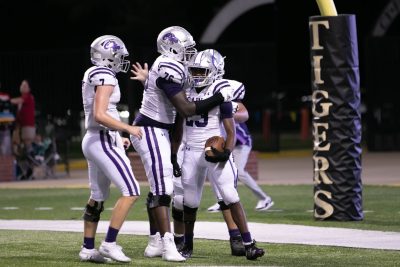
26, 114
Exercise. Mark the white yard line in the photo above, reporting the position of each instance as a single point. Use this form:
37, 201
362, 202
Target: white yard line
271, 233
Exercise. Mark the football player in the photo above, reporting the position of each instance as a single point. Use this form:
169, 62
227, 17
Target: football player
103, 148
220, 169
241, 152
163, 96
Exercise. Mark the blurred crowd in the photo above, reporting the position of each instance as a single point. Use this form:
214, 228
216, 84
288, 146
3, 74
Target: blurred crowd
17, 120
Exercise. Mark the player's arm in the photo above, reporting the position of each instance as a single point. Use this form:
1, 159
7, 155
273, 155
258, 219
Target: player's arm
16, 100
229, 125
101, 101
241, 114
176, 134
176, 139
178, 98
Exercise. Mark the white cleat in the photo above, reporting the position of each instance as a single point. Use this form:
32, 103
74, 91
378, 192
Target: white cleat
92, 255
154, 247
170, 253
214, 208
264, 204
113, 251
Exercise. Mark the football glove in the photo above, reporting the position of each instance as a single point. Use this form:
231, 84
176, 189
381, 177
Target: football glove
218, 156
176, 168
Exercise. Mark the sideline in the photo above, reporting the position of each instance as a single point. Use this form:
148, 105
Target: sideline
270, 233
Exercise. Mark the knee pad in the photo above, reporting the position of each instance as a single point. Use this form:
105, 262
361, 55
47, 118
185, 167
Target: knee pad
177, 214
189, 215
92, 214
157, 201
222, 205
178, 202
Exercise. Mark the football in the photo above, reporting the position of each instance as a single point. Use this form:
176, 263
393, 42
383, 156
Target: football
217, 142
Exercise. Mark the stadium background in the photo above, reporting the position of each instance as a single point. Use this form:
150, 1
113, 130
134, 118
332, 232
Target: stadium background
267, 49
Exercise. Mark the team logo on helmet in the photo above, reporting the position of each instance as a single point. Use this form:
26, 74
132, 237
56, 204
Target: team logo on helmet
112, 44
170, 38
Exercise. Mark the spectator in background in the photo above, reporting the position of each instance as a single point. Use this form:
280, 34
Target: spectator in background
25, 122
7, 119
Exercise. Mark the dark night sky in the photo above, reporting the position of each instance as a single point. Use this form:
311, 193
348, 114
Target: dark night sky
71, 24
53, 24
62, 25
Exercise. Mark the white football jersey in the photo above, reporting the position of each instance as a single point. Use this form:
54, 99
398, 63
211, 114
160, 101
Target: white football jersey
238, 95
199, 128
238, 87
93, 77
155, 102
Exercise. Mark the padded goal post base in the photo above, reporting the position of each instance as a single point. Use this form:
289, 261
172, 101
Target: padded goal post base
336, 122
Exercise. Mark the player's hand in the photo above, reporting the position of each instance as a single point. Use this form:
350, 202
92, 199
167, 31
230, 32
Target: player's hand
126, 142
218, 156
235, 107
135, 131
139, 73
176, 168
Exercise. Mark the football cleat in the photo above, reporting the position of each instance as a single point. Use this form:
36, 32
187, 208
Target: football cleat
186, 251
214, 208
179, 242
92, 255
154, 247
237, 247
113, 251
264, 204
253, 252
170, 253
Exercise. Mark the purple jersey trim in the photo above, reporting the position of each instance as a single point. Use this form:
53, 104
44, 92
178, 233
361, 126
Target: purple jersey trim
238, 91
143, 120
174, 67
101, 70
219, 86
226, 110
170, 88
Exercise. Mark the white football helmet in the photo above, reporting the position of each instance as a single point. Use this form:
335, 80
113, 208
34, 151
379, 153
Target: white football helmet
177, 43
203, 69
219, 62
109, 51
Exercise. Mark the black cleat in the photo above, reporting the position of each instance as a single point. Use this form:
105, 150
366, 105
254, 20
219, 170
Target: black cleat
186, 251
179, 243
237, 247
253, 252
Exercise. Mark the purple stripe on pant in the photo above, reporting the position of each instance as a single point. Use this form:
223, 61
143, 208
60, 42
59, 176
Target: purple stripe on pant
153, 160
123, 163
121, 172
235, 174
160, 165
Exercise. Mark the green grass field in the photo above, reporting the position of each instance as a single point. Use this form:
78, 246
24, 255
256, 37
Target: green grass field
32, 248
292, 206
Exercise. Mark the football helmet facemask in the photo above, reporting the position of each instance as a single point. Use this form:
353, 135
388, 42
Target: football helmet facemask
109, 51
176, 43
203, 70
